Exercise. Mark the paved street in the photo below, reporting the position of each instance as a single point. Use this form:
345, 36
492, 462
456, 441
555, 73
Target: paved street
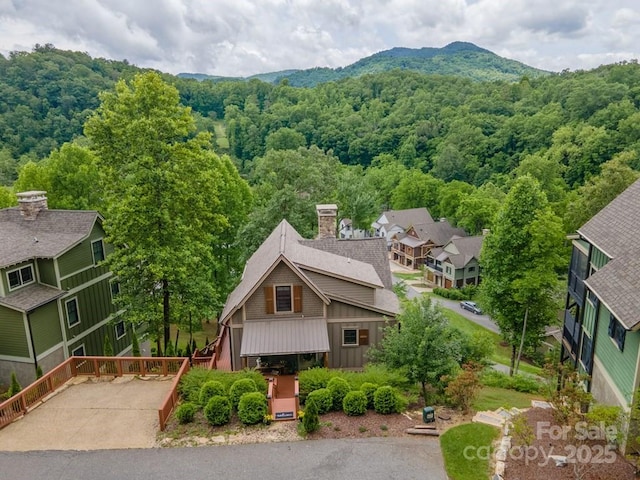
371, 459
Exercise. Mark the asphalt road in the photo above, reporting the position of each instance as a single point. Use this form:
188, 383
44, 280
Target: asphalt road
354, 459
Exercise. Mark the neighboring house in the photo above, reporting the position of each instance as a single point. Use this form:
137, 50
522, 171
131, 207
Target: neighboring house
393, 222
346, 230
601, 334
456, 264
302, 303
410, 248
55, 296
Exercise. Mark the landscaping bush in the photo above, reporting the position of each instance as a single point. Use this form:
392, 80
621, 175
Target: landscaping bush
185, 412
450, 293
218, 410
378, 374
239, 388
191, 383
322, 398
209, 389
355, 403
369, 389
520, 383
339, 388
313, 379
385, 400
310, 420
252, 408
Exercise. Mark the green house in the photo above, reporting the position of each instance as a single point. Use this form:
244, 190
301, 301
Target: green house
601, 331
56, 296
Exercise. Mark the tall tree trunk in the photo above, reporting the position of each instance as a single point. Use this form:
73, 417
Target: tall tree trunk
513, 360
166, 323
524, 331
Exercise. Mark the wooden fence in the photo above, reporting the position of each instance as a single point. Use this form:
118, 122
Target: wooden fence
31, 396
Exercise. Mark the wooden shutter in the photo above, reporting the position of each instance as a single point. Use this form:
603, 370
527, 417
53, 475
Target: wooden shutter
297, 298
268, 299
363, 336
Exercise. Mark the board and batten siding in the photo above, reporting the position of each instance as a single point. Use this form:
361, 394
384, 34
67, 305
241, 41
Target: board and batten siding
598, 258
47, 272
13, 340
620, 365
589, 318
255, 307
80, 256
94, 341
45, 326
94, 305
351, 356
236, 343
342, 288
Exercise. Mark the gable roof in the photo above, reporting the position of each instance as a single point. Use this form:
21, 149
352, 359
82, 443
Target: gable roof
50, 234
285, 244
617, 225
31, 297
438, 233
405, 218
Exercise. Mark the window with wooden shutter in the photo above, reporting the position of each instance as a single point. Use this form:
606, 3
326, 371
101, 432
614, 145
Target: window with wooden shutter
268, 298
363, 336
297, 298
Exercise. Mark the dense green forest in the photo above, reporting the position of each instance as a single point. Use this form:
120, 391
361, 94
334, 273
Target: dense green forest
396, 139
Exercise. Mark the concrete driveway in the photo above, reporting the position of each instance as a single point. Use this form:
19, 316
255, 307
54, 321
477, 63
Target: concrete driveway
91, 414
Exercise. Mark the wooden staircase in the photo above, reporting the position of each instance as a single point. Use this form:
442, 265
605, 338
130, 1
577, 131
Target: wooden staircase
283, 397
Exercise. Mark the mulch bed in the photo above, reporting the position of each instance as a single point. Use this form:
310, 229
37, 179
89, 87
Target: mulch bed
595, 464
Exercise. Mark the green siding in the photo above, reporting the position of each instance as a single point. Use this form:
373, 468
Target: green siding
13, 340
598, 259
589, 318
621, 366
80, 256
94, 305
83, 277
5, 279
45, 327
94, 342
47, 272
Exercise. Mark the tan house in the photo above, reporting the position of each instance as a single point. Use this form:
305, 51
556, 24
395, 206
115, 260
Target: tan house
302, 303
410, 248
456, 264
393, 222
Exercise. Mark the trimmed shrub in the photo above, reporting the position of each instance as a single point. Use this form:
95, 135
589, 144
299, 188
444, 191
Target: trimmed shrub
14, 386
209, 389
384, 400
185, 412
310, 420
519, 383
239, 388
369, 389
450, 293
322, 398
313, 379
191, 383
402, 402
355, 403
218, 410
252, 408
339, 388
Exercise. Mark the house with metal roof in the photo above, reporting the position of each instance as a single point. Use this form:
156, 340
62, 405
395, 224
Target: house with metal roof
455, 264
303, 303
55, 293
411, 247
601, 331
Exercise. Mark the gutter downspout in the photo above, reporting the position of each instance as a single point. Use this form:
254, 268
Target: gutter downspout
33, 345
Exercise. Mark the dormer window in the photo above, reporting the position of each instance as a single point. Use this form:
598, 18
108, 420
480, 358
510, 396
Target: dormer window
20, 277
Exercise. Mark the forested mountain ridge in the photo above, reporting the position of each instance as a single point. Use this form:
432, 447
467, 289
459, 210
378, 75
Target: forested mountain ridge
461, 59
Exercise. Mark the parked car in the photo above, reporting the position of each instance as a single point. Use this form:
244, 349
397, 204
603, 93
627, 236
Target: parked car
471, 306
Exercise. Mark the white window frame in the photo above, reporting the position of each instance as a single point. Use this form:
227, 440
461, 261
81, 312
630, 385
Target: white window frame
111, 284
275, 298
84, 352
96, 262
357, 343
66, 311
124, 329
22, 283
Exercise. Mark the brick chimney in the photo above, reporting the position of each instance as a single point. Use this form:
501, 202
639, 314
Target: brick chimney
31, 203
327, 215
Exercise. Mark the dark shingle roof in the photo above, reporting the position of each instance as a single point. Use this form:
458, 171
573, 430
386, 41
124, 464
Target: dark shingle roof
408, 217
437, 232
617, 285
31, 297
616, 226
53, 232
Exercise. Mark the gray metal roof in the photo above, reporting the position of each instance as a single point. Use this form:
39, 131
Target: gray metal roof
52, 233
30, 297
283, 337
617, 285
616, 226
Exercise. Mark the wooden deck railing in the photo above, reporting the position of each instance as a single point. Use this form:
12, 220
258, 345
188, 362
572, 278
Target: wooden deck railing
31, 396
172, 398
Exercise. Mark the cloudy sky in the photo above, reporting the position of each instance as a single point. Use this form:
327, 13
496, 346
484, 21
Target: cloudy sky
244, 37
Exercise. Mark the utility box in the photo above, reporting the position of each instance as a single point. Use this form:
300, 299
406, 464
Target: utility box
428, 415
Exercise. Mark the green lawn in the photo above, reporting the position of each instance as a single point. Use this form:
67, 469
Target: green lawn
502, 354
208, 330
408, 276
467, 449
491, 398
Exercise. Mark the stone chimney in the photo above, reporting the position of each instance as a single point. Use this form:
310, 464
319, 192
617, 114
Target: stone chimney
327, 215
31, 203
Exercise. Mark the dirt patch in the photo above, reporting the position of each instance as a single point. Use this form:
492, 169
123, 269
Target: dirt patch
595, 462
